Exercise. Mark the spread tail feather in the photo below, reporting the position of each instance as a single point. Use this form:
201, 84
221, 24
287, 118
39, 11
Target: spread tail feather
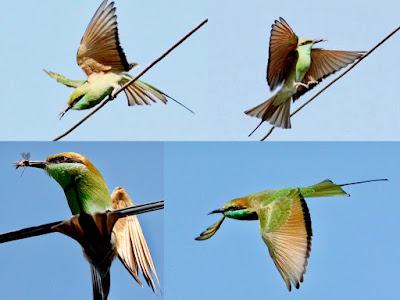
139, 93
277, 115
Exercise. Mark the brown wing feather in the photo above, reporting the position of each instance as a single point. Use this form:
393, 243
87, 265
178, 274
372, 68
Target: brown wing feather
131, 243
290, 244
100, 49
282, 53
325, 63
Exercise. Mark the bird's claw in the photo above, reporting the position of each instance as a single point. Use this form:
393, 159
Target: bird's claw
297, 84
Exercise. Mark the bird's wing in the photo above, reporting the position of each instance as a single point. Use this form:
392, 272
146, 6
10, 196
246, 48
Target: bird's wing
324, 63
100, 50
131, 243
210, 231
282, 53
140, 92
285, 227
65, 80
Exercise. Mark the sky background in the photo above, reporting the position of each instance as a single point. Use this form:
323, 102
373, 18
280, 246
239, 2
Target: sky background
53, 266
47, 34
355, 247
219, 72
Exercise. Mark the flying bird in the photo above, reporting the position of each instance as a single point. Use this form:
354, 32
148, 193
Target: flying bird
92, 226
294, 63
104, 62
285, 223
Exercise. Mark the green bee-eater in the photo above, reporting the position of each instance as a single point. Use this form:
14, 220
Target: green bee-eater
300, 67
285, 223
88, 195
104, 62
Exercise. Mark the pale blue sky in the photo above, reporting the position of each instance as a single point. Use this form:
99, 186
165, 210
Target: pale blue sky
355, 248
46, 35
52, 266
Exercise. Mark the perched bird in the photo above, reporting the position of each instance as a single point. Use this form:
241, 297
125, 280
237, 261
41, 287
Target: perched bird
104, 62
92, 226
300, 67
285, 223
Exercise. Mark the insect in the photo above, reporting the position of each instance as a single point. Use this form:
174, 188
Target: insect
23, 163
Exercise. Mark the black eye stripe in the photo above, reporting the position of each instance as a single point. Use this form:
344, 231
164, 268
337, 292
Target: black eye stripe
233, 208
77, 99
65, 159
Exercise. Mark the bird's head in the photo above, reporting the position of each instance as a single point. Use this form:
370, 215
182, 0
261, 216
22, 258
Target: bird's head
309, 43
82, 183
76, 96
65, 165
235, 209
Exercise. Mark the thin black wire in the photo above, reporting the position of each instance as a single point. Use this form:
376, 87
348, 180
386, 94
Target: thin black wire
48, 228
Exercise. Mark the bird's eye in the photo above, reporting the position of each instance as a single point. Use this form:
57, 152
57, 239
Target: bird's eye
77, 99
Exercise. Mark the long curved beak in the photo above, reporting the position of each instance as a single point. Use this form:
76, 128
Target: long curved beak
319, 40
67, 108
217, 211
31, 163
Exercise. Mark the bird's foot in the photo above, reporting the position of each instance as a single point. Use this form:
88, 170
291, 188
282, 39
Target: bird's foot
311, 82
113, 94
306, 85
297, 84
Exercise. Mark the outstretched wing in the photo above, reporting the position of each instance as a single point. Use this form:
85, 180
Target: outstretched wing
285, 227
100, 50
324, 63
282, 53
131, 243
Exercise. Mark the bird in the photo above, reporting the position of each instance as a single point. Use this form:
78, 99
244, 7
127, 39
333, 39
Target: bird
285, 223
294, 63
103, 60
92, 224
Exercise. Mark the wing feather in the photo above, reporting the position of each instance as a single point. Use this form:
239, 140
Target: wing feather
282, 53
100, 49
285, 226
131, 243
324, 63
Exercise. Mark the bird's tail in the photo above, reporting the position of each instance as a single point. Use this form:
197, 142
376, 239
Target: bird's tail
327, 188
277, 114
139, 93
101, 283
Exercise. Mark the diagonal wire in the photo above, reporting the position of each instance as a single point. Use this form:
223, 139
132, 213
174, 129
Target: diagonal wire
336, 79
48, 228
131, 81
